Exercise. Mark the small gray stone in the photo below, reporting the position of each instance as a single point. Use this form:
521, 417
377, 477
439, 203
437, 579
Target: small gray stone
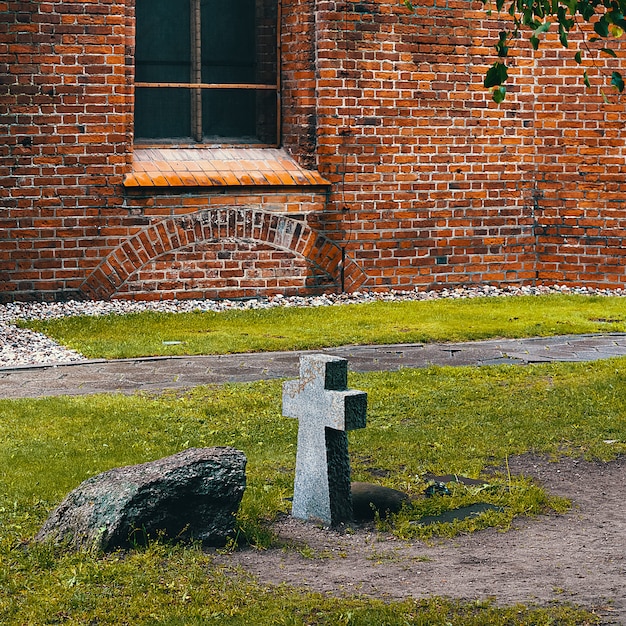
192, 495
369, 499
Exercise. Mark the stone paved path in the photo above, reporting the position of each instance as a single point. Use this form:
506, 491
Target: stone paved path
159, 373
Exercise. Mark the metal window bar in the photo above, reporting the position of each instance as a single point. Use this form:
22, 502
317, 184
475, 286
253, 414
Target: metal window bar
279, 107
196, 70
209, 85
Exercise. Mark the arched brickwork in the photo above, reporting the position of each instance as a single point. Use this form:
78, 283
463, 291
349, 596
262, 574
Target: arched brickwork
246, 224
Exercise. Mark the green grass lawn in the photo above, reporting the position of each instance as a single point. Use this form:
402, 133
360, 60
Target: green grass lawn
152, 334
440, 420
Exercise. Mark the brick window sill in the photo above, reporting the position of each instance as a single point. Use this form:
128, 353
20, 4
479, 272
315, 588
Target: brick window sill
218, 167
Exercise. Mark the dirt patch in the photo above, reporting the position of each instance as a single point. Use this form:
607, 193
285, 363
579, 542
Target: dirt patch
578, 558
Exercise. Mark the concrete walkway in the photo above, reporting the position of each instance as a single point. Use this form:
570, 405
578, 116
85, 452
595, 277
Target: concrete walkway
159, 373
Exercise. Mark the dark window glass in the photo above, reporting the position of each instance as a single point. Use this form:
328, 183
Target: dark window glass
186, 51
228, 43
163, 114
243, 114
162, 40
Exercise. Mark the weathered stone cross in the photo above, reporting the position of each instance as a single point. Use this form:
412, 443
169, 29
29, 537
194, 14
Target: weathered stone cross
326, 410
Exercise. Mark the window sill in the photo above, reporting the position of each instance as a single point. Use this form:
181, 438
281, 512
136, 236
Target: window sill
218, 167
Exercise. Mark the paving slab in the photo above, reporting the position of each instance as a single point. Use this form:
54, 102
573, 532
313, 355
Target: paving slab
152, 375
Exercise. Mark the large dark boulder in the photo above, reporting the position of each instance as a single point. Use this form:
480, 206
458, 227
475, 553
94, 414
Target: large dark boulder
189, 496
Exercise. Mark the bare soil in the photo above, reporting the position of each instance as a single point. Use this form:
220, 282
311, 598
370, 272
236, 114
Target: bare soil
576, 558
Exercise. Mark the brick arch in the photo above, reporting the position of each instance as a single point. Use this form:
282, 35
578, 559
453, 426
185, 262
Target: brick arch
175, 233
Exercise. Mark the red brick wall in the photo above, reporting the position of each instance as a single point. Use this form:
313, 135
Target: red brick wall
65, 137
438, 185
432, 183
579, 175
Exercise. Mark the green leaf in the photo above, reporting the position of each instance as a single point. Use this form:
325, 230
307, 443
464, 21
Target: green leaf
501, 47
609, 52
615, 16
542, 28
586, 79
578, 57
496, 75
602, 27
564, 22
617, 81
528, 18
498, 94
534, 38
571, 5
586, 10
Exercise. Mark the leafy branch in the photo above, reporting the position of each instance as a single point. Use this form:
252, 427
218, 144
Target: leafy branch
539, 16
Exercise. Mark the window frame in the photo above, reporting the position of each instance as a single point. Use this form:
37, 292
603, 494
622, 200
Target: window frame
197, 87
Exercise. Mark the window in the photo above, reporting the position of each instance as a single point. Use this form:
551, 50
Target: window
206, 71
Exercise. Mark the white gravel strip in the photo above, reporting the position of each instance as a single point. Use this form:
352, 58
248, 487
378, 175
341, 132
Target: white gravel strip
21, 347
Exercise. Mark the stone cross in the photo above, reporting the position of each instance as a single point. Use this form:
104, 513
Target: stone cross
326, 409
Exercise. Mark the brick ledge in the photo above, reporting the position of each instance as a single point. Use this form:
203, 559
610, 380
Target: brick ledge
218, 167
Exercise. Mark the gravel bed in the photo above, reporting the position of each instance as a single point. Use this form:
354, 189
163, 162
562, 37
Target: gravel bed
22, 347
